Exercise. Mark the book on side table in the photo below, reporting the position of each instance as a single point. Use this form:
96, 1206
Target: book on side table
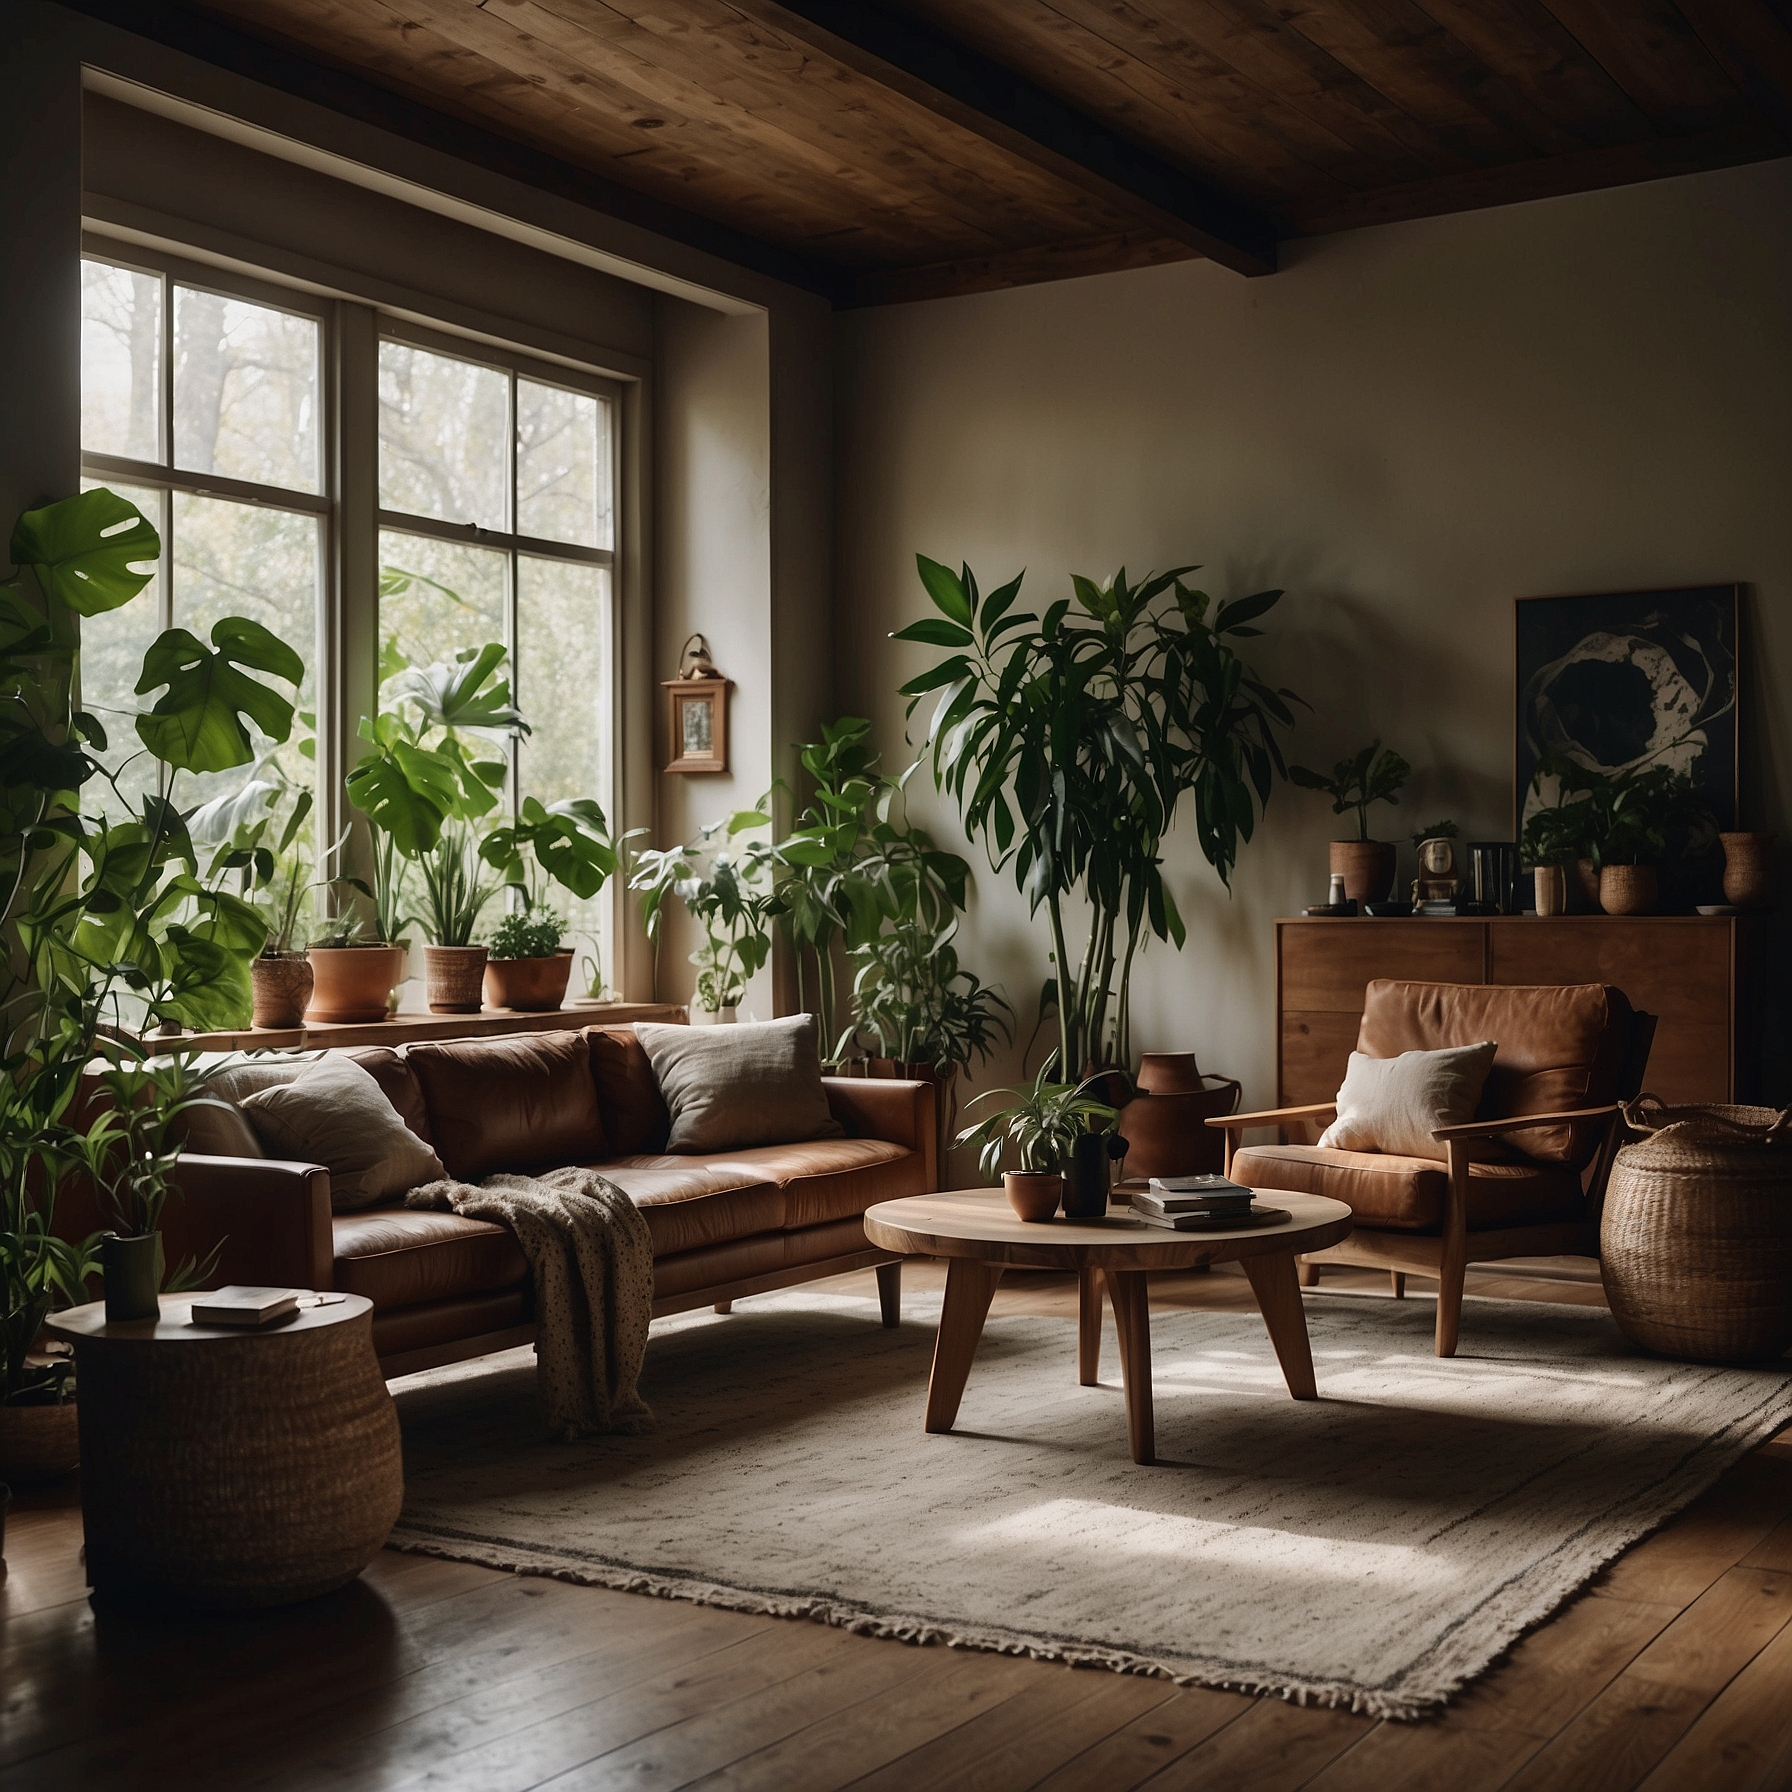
242, 1304
1200, 1204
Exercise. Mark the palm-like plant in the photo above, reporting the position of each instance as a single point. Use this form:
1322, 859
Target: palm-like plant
1042, 1122
1069, 741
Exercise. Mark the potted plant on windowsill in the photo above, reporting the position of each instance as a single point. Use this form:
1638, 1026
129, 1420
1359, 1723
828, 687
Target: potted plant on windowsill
526, 968
1375, 775
1050, 1125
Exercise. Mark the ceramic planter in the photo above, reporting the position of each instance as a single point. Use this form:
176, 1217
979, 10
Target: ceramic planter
1165, 1124
132, 1270
282, 982
353, 983
528, 985
714, 1017
454, 978
1551, 883
1748, 869
1086, 1174
1033, 1194
1627, 889
38, 1443
1367, 868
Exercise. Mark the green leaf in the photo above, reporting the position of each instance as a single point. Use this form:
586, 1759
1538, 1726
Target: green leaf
464, 693
946, 589
407, 792
83, 550
1244, 609
197, 723
935, 631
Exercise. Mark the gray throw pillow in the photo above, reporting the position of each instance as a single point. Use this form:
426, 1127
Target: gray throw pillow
731, 1087
1393, 1104
334, 1113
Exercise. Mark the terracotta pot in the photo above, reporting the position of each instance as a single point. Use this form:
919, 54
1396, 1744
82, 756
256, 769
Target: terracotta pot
1586, 881
1552, 889
282, 983
1627, 889
528, 985
1165, 1123
1033, 1194
353, 983
1748, 869
454, 978
1367, 868
39, 1443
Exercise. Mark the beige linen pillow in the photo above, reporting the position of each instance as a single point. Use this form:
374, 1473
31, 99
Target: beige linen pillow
732, 1087
1393, 1104
334, 1113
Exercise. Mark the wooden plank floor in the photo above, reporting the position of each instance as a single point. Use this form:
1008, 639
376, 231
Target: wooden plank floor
1673, 1670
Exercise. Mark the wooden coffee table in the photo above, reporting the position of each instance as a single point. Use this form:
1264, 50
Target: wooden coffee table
977, 1233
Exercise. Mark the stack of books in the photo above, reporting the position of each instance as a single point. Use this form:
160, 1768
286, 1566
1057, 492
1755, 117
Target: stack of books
1193, 1203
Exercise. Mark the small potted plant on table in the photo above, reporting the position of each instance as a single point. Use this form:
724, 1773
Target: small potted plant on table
1376, 775
1046, 1124
526, 968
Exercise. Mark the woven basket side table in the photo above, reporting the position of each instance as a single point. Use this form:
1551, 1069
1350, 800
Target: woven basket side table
227, 1468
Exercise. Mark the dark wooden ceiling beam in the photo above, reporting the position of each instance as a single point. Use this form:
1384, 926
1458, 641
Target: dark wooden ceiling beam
1754, 47
980, 95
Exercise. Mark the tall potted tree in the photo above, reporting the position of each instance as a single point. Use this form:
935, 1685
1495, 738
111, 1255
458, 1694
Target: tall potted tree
1069, 741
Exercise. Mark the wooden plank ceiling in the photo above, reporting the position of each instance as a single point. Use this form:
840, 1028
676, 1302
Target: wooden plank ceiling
883, 152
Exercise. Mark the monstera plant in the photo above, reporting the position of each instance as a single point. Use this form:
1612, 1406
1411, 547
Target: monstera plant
112, 923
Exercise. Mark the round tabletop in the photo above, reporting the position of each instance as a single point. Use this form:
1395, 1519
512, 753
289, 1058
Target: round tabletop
85, 1324
979, 1223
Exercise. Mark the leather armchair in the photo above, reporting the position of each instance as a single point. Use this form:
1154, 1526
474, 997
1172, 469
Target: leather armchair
1524, 1179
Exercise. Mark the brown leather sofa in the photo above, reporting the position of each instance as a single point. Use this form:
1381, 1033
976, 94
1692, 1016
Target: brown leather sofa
444, 1287
1525, 1178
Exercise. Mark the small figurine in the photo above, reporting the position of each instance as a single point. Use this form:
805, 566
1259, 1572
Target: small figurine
1436, 881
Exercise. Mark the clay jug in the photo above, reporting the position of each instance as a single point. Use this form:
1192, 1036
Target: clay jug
1748, 869
1165, 1124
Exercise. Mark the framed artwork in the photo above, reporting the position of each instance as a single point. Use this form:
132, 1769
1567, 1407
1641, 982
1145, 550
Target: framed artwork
698, 724
1627, 680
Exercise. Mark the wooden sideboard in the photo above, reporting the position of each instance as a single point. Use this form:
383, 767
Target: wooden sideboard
1692, 971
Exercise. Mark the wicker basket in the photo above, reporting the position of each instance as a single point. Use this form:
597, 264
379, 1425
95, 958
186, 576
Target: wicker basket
1696, 1236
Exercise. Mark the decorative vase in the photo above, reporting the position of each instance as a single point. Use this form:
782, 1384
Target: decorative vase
1695, 1239
39, 1443
1085, 1174
1165, 1123
528, 985
282, 983
1748, 869
1627, 889
132, 1270
1552, 889
353, 984
1367, 868
454, 978
1033, 1194
1586, 881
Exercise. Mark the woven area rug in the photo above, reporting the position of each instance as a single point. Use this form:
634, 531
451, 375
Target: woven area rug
1376, 1548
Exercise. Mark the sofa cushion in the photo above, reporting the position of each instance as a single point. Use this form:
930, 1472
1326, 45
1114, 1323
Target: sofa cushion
1407, 1194
1561, 1046
688, 1204
832, 1179
1396, 1104
732, 1087
628, 1093
334, 1113
225, 1132
524, 1102
398, 1256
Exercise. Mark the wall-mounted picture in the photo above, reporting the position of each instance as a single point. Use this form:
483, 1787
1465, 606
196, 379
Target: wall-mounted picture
1628, 680
698, 724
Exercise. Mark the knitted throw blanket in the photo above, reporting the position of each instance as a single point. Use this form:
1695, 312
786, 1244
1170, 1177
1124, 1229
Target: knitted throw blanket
592, 1262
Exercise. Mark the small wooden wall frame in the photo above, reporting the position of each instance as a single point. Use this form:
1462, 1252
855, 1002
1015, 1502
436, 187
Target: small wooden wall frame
697, 723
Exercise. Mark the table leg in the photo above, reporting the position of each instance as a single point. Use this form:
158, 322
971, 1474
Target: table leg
1277, 1289
1088, 1326
1132, 1320
970, 1286
889, 1293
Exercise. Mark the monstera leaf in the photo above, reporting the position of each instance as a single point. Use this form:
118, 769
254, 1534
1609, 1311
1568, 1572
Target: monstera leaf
83, 549
571, 842
197, 723
405, 790
462, 693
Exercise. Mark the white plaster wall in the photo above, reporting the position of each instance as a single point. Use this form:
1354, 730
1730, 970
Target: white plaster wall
1408, 427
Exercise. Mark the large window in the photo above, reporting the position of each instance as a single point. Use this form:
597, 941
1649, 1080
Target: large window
204, 401
204, 408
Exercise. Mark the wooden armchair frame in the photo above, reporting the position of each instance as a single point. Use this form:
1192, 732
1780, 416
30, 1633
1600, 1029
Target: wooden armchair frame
1447, 1254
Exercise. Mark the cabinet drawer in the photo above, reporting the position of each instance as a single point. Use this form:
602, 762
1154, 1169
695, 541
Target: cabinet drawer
1679, 970
1326, 965
1315, 1052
